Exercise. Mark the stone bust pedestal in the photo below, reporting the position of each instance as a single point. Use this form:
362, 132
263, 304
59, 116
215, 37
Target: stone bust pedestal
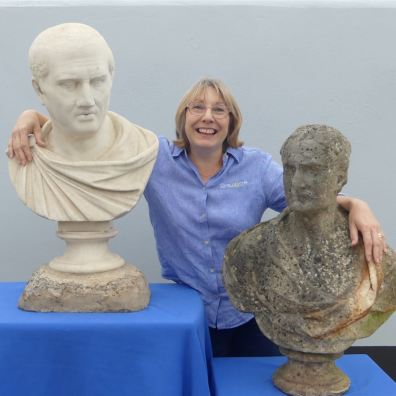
93, 169
310, 291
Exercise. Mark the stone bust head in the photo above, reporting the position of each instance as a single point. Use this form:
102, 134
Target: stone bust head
72, 70
315, 162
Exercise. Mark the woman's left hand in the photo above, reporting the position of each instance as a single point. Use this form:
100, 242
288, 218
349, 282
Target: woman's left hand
363, 221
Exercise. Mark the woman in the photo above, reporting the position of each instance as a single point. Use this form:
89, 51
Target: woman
205, 189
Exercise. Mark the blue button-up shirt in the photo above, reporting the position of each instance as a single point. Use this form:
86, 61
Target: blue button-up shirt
193, 221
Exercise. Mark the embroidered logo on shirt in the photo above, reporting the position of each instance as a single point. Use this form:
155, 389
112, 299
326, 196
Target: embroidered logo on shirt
237, 184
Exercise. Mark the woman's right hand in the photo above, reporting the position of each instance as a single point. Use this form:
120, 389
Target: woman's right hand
29, 122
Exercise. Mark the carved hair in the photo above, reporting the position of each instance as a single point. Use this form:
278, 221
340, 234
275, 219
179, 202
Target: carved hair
68, 36
193, 93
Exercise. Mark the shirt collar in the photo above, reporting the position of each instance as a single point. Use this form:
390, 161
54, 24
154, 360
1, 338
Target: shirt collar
176, 151
236, 153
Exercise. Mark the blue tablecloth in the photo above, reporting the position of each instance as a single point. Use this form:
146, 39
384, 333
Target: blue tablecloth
252, 376
163, 350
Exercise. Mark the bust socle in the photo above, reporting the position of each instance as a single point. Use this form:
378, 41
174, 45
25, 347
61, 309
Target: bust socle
93, 169
311, 292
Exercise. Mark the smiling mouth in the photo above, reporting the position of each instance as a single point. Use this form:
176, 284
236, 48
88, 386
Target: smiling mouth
206, 131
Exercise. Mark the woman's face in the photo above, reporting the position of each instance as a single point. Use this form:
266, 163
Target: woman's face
207, 131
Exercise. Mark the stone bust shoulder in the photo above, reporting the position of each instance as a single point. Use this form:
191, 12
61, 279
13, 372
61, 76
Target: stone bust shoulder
88, 190
288, 262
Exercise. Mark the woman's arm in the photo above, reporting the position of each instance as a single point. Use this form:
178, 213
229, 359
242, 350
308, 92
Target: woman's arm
29, 122
363, 221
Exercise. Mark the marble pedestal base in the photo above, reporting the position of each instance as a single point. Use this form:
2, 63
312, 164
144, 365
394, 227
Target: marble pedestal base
309, 374
118, 290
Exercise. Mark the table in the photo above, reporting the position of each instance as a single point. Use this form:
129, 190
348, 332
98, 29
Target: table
252, 376
163, 350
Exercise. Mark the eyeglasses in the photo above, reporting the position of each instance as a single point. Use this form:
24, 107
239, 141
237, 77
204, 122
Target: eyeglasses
199, 109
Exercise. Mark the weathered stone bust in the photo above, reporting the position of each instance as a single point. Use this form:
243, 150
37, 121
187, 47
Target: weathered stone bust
311, 292
94, 169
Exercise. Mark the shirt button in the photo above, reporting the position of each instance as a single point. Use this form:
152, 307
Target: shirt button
206, 242
203, 217
212, 269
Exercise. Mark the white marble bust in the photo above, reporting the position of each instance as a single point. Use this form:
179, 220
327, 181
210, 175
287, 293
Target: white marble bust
93, 169
96, 163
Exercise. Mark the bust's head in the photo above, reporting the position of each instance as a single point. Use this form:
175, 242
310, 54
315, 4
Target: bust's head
72, 70
315, 160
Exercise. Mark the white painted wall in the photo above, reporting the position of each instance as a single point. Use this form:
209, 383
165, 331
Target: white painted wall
287, 65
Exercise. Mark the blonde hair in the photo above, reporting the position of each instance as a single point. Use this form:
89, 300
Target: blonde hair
194, 92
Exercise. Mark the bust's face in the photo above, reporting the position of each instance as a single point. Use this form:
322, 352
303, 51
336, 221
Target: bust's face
76, 91
310, 182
